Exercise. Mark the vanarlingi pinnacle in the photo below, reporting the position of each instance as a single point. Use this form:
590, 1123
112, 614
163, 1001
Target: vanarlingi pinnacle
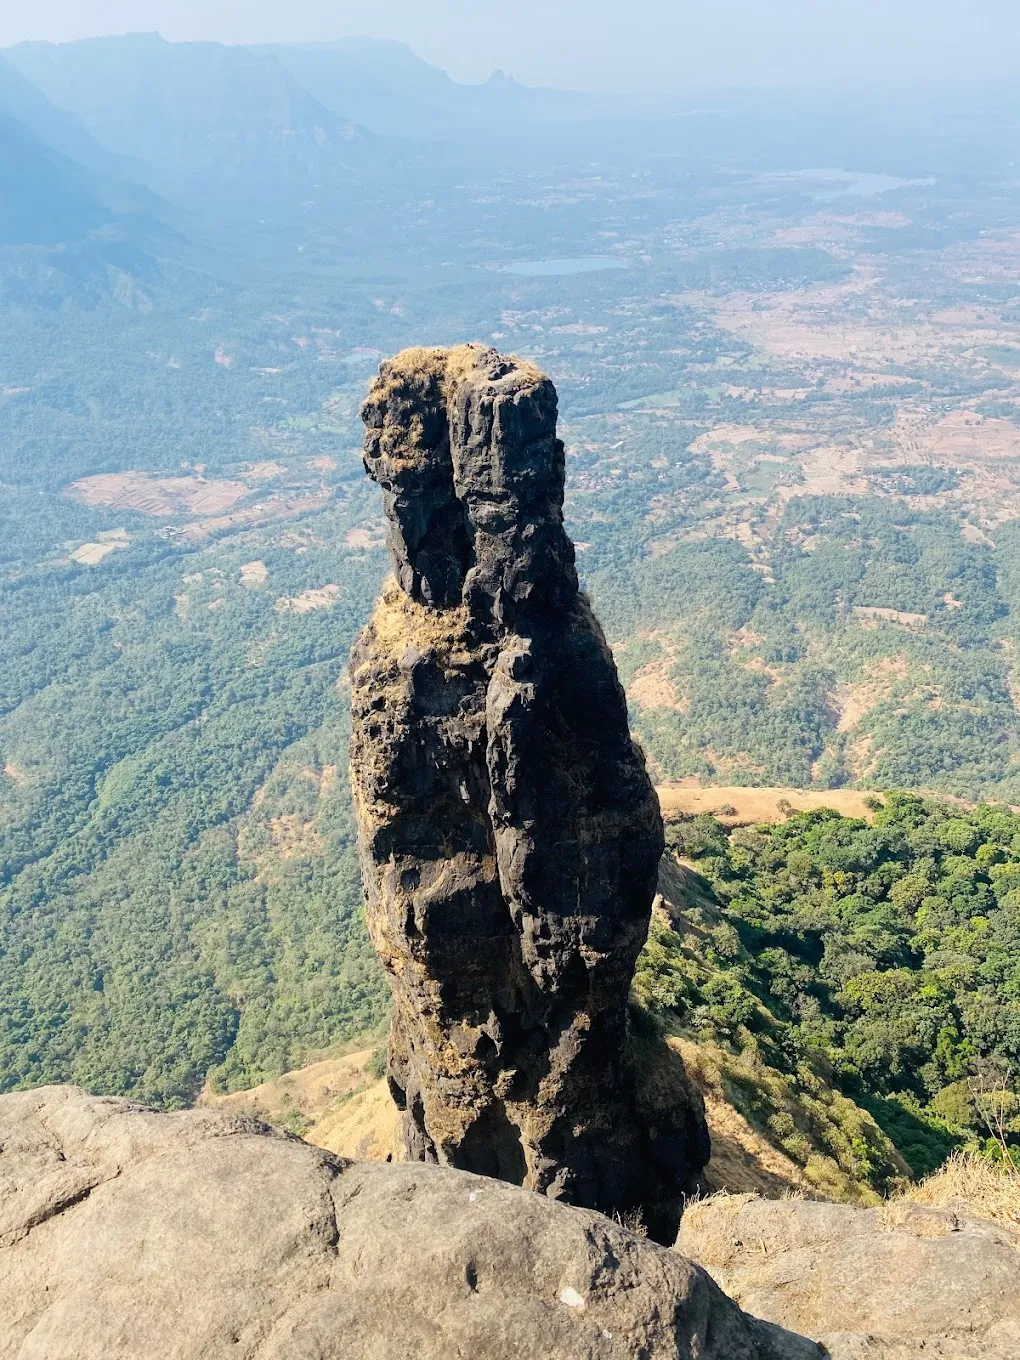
509, 833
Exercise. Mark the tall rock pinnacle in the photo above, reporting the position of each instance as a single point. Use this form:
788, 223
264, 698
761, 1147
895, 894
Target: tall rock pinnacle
509, 833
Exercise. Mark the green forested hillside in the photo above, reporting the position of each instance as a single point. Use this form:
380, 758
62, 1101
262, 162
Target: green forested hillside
765, 667
166, 727
792, 466
879, 959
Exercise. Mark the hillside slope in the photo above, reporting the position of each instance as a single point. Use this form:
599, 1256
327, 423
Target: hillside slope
44, 198
774, 1128
191, 113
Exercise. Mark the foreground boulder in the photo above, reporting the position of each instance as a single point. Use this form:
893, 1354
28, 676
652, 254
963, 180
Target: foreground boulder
510, 835
194, 1236
896, 1281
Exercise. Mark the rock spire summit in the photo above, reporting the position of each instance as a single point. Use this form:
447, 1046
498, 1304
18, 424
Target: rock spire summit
509, 833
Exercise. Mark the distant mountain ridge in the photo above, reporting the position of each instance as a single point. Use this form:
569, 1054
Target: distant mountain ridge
188, 104
62, 131
188, 111
71, 225
385, 86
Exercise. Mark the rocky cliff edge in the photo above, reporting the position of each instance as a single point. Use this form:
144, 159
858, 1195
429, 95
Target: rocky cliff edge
196, 1236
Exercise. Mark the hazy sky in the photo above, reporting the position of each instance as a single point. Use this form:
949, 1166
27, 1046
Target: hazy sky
594, 44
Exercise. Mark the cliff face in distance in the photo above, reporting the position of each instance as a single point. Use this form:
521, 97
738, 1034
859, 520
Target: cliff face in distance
509, 833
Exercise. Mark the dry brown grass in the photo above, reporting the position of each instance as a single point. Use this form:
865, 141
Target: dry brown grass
265, 472
365, 538
318, 597
418, 366
91, 554
876, 685
336, 1103
461, 362
747, 805
972, 1184
875, 614
254, 573
416, 363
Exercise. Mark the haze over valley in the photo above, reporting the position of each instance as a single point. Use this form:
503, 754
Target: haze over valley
784, 328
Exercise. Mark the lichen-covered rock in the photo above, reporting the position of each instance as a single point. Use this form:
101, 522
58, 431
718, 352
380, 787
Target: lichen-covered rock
197, 1236
509, 833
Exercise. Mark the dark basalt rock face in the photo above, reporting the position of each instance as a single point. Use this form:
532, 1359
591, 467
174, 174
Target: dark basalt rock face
509, 833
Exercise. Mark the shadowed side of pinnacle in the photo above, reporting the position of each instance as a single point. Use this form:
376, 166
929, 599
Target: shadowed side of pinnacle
508, 830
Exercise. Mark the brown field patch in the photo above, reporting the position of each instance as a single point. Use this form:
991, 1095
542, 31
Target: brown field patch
365, 538
727, 434
758, 804
967, 315
847, 323
91, 554
289, 835
579, 328
723, 438
962, 436
828, 471
265, 472
14, 773
276, 508
319, 597
254, 574
855, 381
160, 497
873, 615
651, 687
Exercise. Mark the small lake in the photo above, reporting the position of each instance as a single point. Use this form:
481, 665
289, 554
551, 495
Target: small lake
583, 264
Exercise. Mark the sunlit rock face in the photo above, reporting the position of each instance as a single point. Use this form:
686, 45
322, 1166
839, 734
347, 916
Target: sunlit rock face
509, 833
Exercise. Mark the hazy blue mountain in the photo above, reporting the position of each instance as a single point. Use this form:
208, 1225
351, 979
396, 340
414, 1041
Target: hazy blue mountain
60, 240
59, 243
45, 199
375, 94
191, 112
386, 88
70, 228
61, 131
194, 106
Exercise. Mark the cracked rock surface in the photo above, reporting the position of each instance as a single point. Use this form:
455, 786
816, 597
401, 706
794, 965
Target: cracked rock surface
509, 833
895, 1282
198, 1236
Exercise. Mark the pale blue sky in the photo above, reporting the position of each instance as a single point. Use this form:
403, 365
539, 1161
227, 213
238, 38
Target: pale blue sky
595, 44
